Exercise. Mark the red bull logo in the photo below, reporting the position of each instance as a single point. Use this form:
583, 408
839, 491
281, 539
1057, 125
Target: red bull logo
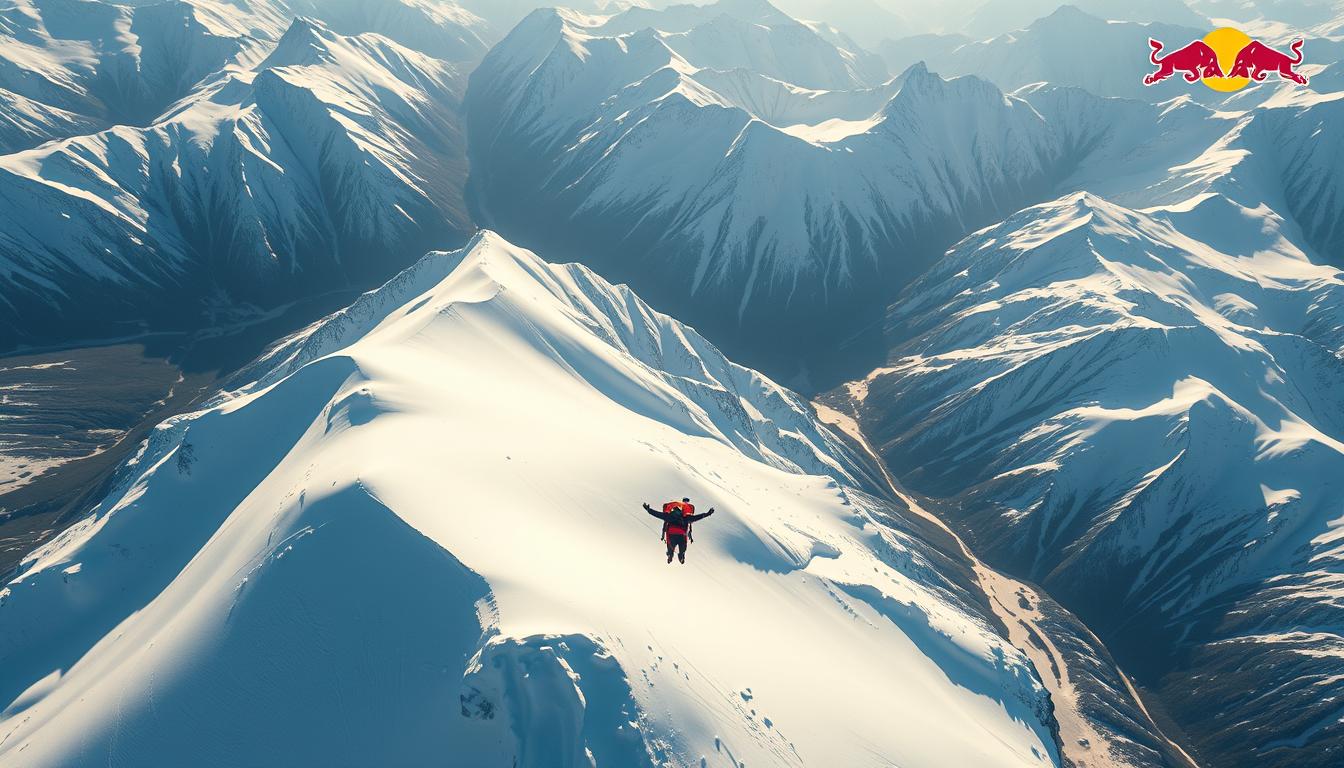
1226, 59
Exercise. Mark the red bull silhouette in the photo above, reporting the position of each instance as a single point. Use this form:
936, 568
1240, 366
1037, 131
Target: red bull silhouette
1197, 60
1257, 60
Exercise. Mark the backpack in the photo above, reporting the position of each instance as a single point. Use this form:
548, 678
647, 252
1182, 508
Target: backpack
671, 505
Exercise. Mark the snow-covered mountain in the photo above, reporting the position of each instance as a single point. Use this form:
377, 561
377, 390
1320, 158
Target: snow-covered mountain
995, 17
402, 541
1280, 151
740, 34
1068, 47
868, 22
1298, 13
1142, 413
1287, 154
445, 29
1071, 47
810, 191
1127, 150
1131, 395
71, 66
1283, 153
335, 160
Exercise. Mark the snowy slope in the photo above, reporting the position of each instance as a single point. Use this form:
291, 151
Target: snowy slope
72, 67
69, 65
1287, 154
26, 123
801, 203
747, 34
1127, 150
434, 495
1279, 149
333, 160
444, 29
1142, 413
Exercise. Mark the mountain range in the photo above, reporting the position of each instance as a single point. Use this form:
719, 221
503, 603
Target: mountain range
492, 635
1050, 477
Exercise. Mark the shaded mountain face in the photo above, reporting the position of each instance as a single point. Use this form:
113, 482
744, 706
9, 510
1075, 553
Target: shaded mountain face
1141, 412
811, 190
331, 162
532, 619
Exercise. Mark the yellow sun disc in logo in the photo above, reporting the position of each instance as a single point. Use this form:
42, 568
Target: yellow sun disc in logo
1227, 43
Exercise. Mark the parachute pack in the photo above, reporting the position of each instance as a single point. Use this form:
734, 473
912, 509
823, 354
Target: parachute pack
685, 509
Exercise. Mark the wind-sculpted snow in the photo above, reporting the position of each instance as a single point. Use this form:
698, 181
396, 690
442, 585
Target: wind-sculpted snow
332, 161
807, 195
416, 539
1142, 412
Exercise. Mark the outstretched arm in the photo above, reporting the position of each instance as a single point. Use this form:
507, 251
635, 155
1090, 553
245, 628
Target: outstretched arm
693, 518
654, 512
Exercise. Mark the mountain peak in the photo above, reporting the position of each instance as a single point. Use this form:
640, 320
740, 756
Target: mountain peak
306, 41
918, 69
1070, 14
750, 9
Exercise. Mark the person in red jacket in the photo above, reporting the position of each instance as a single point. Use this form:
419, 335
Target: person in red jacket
677, 517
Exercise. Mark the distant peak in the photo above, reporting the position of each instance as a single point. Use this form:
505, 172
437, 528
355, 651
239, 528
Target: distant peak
1085, 201
755, 8
1068, 13
303, 26
304, 42
919, 85
918, 76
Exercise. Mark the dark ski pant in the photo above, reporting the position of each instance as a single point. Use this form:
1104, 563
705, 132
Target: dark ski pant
676, 541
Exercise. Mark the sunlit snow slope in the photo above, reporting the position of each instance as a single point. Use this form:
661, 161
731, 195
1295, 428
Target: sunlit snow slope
416, 537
